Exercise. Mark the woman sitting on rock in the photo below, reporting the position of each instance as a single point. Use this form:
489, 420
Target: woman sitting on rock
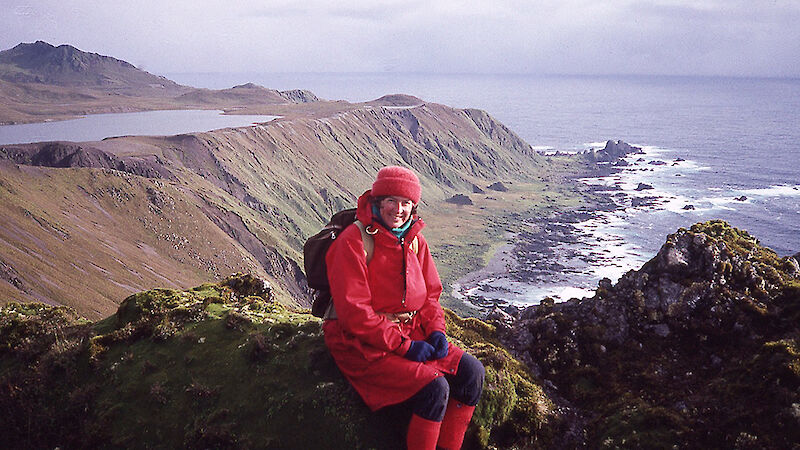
387, 333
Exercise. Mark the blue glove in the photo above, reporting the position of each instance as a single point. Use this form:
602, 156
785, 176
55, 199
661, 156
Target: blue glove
420, 351
439, 342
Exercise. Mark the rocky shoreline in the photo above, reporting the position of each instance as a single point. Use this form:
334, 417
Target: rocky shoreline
552, 249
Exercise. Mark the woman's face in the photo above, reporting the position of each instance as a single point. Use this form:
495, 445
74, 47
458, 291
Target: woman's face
395, 211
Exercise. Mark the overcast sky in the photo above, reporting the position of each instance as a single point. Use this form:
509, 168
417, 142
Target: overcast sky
673, 37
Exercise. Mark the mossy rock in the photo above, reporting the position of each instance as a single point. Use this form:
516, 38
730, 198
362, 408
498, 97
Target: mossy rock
205, 368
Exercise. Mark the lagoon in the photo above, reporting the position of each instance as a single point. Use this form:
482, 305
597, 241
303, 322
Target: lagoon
96, 127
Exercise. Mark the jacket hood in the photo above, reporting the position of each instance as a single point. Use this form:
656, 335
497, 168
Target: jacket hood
364, 214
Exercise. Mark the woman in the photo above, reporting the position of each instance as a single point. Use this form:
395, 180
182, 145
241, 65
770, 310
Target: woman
388, 334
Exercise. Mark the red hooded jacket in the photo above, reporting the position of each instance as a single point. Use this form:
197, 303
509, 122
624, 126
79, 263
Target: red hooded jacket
367, 347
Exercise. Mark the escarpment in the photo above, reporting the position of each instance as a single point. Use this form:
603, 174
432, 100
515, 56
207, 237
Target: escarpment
239, 199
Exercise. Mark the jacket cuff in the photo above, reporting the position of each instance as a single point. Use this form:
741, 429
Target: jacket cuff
405, 344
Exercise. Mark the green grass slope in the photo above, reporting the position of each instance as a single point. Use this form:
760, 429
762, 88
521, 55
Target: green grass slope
246, 199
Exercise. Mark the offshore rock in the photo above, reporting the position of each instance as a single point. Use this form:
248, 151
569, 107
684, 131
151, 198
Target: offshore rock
698, 348
614, 150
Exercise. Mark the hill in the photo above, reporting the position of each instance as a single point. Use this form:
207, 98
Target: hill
40, 81
697, 349
87, 224
220, 366
65, 65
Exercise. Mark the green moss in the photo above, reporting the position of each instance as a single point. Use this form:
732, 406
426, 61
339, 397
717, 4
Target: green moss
638, 424
214, 367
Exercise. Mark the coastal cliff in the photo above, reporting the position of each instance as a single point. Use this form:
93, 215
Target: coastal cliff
698, 348
85, 224
129, 213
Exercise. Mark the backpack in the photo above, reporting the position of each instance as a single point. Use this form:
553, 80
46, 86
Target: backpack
315, 249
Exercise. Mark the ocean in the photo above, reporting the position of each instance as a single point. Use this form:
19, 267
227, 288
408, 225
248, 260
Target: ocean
726, 148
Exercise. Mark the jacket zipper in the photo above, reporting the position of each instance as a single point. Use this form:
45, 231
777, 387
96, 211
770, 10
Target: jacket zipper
405, 281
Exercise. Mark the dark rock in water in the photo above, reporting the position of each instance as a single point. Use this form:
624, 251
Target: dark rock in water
621, 163
460, 199
643, 186
644, 201
498, 186
477, 190
615, 150
640, 160
709, 325
688, 207
657, 163
679, 159
678, 175
741, 198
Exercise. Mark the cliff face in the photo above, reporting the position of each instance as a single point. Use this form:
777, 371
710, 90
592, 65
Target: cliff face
698, 348
206, 204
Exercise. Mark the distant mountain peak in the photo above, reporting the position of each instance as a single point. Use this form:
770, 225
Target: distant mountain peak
398, 100
65, 65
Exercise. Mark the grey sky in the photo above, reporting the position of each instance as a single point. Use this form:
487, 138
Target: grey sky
676, 37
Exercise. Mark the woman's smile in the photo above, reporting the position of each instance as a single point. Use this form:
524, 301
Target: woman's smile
395, 210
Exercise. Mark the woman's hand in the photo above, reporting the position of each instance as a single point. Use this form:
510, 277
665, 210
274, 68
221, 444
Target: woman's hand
420, 351
439, 342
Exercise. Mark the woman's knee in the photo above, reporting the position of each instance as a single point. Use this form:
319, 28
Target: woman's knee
431, 401
468, 382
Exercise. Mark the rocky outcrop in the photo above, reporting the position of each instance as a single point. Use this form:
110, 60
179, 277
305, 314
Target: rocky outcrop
498, 186
71, 154
299, 96
697, 348
226, 367
460, 199
614, 150
245, 94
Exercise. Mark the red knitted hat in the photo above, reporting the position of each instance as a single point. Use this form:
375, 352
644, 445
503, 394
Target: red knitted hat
396, 180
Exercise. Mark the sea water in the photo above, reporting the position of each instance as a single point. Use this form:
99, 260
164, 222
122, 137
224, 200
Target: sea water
730, 149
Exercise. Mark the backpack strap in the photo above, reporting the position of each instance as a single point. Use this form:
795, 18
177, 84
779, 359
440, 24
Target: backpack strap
367, 239
415, 245
369, 250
